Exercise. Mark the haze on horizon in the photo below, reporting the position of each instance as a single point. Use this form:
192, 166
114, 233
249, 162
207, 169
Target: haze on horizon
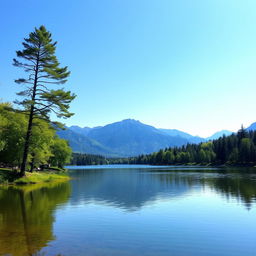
187, 65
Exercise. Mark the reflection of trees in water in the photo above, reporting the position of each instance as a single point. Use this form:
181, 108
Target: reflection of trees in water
26, 217
240, 185
132, 189
178, 178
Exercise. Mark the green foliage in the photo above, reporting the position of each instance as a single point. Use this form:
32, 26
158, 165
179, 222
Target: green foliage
45, 146
87, 159
246, 148
12, 133
40, 143
237, 148
169, 157
61, 152
41, 65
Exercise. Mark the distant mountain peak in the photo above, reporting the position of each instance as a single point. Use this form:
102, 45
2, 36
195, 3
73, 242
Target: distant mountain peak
129, 120
219, 134
252, 127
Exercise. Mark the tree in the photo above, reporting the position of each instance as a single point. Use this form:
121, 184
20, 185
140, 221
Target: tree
40, 143
41, 65
234, 156
12, 133
169, 157
61, 152
160, 157
245, 150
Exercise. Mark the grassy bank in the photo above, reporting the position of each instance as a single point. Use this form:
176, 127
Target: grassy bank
8, 176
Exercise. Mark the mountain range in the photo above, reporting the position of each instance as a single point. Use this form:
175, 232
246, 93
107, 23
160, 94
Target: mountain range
252, 127
127, 138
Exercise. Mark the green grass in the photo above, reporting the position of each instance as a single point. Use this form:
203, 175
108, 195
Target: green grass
8, 176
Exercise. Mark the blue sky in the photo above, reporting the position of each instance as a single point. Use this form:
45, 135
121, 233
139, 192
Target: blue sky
187, 64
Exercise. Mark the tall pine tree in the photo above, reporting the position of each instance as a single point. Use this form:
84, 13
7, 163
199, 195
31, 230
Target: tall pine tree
38, 60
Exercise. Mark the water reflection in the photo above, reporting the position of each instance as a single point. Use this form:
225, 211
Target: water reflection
131, 189
242, 187
239, 184
128, 189
27, 215
182, 207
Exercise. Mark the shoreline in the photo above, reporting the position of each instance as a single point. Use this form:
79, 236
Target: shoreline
11, 177
187, 165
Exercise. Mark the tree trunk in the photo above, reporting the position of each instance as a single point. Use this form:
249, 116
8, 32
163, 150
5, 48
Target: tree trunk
32, 164
26, 146
30, 121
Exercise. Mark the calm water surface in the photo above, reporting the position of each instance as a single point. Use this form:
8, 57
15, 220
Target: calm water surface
133, 210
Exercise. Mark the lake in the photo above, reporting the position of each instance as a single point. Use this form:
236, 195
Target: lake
133, 211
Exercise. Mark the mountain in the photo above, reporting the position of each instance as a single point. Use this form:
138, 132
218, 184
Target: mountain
130, 137
77, 129
252, 127
83, 144
219, 134
190, 138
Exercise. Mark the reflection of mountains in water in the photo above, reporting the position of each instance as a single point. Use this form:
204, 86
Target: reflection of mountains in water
131, 189
128, 189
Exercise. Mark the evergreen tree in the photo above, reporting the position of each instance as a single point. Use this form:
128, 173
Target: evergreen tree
42, 67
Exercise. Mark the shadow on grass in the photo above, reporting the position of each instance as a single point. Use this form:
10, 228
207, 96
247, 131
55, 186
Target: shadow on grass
8, 175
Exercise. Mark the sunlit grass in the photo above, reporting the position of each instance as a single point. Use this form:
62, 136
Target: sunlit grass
41, 177
8, 176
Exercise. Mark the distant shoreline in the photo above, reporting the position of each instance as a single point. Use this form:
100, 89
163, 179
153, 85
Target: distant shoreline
174, 165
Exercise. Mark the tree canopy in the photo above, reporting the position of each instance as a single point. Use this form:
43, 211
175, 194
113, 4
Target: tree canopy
45, 146
239, 148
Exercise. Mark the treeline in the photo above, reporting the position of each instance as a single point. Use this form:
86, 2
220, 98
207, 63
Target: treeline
236, 149
87, 159
239, 148
45, 146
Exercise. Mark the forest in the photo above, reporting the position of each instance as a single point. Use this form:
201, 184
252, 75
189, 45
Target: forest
88, 159
236, 149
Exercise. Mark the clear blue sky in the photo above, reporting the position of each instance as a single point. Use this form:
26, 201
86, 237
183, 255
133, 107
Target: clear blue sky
186, 64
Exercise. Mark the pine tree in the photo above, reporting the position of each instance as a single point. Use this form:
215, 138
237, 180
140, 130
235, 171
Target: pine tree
41, 65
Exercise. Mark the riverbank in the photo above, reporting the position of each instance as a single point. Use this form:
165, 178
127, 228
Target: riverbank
9, 177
